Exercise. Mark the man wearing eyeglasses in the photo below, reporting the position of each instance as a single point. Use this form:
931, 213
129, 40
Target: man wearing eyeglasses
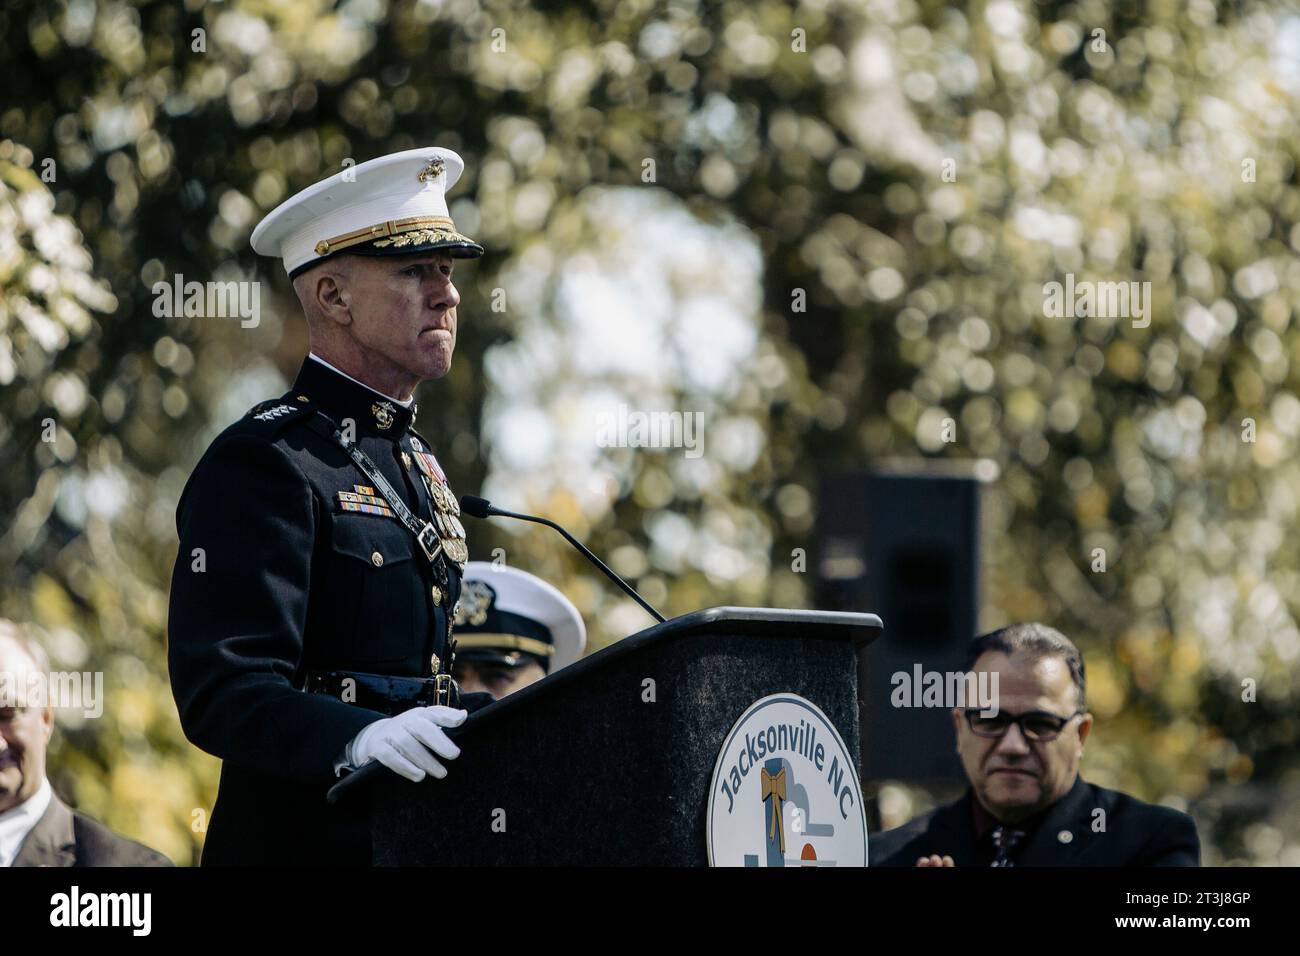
1027, 804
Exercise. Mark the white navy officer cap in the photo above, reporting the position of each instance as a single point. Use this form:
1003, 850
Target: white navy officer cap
392, 205
505, 615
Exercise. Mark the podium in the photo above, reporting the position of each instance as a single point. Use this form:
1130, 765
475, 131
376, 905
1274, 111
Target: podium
609, 761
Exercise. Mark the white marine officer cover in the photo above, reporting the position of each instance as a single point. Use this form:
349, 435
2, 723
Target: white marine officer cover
391, 205
504, 608
785, 791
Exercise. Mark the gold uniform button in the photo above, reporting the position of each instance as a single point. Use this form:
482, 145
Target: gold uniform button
377, 559
437, 594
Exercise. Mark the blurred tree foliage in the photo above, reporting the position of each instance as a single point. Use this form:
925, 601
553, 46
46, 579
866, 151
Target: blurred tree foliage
918, 172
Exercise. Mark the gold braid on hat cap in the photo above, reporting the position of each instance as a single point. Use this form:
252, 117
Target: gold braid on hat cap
426, 228
499, 641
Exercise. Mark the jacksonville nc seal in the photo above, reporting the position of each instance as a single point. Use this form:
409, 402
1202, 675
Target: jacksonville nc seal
785, 791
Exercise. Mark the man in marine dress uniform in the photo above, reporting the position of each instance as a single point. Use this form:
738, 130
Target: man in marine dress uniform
321, 550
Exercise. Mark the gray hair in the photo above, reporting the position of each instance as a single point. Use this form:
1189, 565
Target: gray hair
28, 644
1035, 640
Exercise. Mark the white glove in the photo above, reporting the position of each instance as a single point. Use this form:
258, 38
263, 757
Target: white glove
406, 744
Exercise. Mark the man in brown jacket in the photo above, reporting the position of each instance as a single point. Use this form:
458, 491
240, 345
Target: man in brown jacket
36, 827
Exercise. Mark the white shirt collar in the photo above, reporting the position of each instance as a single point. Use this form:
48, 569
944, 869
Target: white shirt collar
404, 404
19, 821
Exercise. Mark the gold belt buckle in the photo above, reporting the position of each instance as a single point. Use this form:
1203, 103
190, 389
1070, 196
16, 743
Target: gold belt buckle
442, 689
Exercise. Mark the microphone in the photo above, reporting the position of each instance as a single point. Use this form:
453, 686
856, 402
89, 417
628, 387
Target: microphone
482, 508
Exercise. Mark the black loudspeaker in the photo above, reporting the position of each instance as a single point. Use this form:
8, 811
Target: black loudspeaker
905, 546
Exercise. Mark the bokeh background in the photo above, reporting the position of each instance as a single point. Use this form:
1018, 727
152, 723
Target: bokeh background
658, 182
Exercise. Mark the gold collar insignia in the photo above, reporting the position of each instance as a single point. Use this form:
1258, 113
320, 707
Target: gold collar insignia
384, 414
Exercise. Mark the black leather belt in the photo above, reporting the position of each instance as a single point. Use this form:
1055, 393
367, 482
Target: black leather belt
388, 695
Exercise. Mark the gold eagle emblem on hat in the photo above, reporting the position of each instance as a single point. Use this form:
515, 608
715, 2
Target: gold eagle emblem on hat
434, 169
475, 600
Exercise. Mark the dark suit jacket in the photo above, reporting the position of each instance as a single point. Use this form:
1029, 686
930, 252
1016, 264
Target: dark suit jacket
63, 837
1136, 834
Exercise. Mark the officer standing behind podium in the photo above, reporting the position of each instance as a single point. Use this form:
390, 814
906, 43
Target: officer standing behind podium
320, 548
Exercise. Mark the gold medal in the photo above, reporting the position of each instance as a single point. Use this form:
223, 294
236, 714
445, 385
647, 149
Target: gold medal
434, 498
445, 507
